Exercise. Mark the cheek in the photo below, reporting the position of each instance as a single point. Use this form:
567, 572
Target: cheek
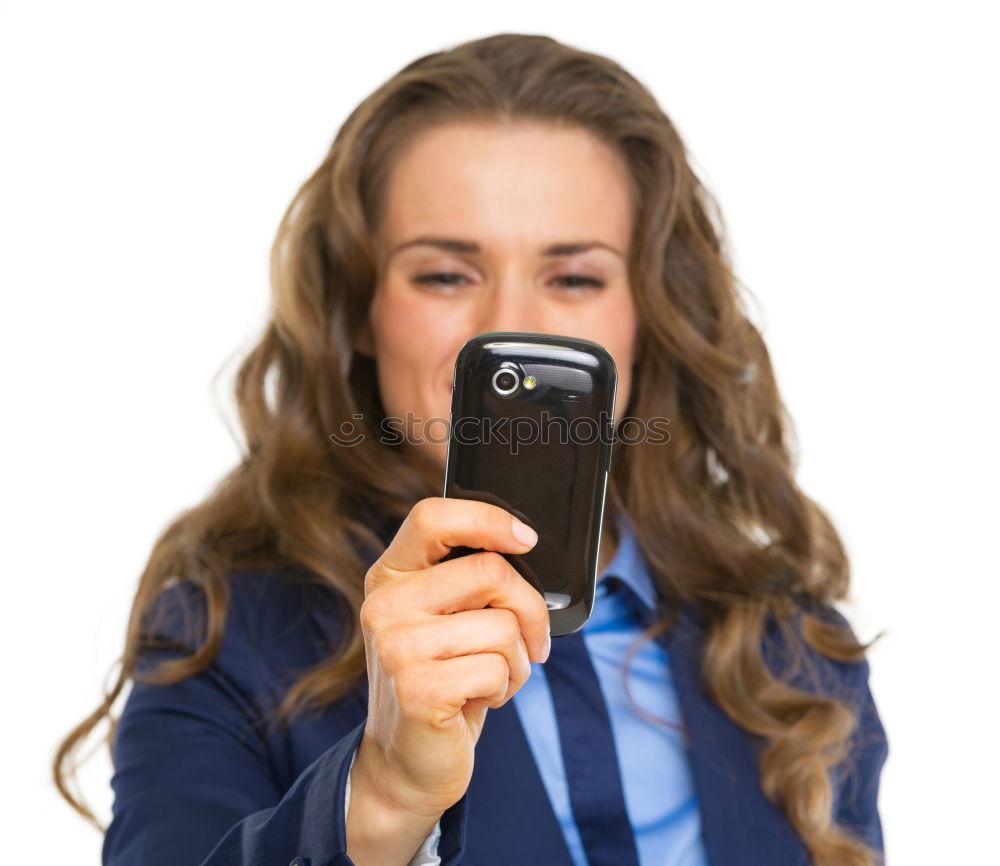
615, 327
395, 326
395, 349
411, 350
407, 323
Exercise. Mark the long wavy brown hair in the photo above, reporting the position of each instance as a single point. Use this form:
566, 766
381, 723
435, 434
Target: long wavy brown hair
718, 513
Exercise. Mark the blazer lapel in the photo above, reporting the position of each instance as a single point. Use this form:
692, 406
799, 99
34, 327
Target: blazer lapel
740, 826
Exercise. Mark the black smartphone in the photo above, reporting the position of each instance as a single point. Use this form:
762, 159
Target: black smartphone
532, 425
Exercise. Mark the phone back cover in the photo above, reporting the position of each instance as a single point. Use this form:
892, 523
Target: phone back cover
543, 454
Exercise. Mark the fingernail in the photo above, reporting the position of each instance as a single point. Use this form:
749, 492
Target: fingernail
548, 648
524, 533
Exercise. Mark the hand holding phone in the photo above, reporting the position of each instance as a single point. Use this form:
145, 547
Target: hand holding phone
444, 642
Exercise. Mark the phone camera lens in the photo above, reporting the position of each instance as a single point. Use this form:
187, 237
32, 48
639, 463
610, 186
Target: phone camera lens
504, 381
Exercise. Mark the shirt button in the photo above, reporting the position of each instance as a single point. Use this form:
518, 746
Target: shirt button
299, 861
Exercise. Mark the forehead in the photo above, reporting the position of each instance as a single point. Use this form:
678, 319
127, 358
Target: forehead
509, 183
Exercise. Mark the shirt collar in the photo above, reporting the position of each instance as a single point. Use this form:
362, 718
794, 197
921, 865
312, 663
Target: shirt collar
629, 565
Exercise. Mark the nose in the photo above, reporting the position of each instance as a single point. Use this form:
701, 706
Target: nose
510, 307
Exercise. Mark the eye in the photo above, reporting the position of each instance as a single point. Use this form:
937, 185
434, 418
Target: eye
449, 279
579, 281
440, 278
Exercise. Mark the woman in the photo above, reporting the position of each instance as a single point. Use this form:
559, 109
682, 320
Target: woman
311, 683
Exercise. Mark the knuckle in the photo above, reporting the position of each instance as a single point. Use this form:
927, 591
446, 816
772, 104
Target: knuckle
521, 675
499, 668
426, 513
509, 626
492, 568
372, 578
369, 614
377, 616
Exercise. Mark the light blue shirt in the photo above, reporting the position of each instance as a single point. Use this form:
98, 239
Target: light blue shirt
656, 780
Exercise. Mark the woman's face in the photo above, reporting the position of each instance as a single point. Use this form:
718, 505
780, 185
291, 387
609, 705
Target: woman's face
470, 214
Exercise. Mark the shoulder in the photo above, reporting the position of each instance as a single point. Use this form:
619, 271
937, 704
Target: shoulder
856, 778
791, 657
276, 624
797, 663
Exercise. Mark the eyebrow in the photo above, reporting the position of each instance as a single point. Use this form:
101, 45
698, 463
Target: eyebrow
454, 245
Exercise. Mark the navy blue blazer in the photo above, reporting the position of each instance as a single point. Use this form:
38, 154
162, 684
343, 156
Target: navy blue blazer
200, 778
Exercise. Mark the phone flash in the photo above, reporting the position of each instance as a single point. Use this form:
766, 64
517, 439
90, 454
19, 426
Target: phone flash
530, 382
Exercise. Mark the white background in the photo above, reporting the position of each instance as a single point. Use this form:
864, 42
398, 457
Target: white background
148, 152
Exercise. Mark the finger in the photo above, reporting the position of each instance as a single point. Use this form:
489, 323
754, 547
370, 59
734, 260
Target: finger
437, 524
474, 631
471, 583
457, 680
